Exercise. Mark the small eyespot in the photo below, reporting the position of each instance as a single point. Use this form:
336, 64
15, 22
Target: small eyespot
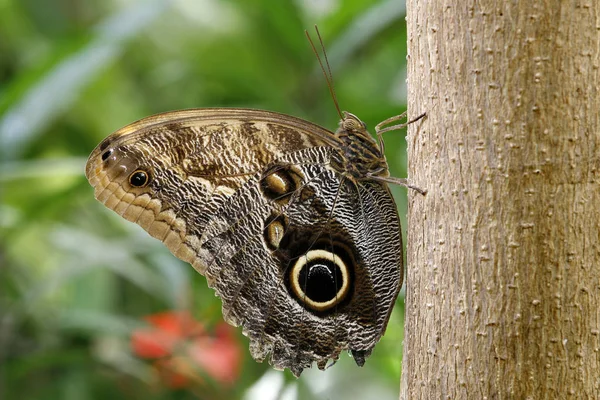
139, 178
106, 154
275, 228
279, 183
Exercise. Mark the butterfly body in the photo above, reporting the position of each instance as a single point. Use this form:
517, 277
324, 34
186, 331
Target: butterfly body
284, 218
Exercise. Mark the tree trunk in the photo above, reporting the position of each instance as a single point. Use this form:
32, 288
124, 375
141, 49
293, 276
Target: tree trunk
503, 285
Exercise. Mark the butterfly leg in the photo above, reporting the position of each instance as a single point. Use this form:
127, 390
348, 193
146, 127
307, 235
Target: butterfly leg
381, 127
397, 181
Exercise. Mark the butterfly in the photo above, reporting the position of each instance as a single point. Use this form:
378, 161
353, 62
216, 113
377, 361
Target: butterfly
292, 225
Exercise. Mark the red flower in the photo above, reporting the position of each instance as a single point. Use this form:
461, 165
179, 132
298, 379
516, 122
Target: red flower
183, 350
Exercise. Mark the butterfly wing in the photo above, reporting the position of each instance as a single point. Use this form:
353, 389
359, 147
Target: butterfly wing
307, 260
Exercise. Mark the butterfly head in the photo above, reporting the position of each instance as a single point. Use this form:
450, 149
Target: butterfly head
355, 130
351, 122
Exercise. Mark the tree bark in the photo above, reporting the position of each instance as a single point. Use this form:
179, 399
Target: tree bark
503, 284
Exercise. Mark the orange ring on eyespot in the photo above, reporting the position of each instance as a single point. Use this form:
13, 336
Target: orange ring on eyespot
139, 178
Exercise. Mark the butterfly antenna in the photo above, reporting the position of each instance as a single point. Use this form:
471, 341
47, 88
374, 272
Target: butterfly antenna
326, 72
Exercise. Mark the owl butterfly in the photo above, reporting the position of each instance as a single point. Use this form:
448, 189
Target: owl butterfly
293, 225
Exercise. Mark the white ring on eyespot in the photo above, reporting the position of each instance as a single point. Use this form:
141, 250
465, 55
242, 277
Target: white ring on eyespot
295, 278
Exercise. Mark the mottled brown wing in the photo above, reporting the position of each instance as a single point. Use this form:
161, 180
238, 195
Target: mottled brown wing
306, 260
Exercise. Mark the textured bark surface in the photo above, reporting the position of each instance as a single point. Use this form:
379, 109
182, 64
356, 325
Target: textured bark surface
503, 285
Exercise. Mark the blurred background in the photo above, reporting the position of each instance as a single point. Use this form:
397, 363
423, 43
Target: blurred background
90, 306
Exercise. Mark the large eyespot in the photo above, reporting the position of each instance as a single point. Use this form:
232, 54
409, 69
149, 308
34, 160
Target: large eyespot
139, 178
320, 280
279, 182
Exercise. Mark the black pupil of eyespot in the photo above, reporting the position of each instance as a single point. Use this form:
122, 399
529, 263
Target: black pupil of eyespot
138, 179
321, 280
106, 154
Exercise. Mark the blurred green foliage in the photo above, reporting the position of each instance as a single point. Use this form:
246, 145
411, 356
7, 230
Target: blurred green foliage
75, 279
